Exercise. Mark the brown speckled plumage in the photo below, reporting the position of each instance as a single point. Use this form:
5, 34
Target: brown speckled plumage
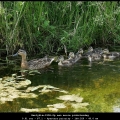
35, 63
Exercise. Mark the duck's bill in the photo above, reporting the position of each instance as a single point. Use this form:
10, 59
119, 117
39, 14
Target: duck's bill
15, 54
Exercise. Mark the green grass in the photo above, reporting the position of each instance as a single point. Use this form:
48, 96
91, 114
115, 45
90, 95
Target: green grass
45, 27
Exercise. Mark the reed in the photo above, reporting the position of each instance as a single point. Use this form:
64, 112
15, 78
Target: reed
46, 27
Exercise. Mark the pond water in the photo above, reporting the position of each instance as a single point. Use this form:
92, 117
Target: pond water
98, 83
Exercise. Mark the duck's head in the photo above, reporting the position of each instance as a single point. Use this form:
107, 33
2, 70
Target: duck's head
61, 58
71, 55
106, 51
20, 52
90, 49
80, 51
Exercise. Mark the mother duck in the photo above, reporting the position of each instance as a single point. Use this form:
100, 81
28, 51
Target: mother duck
35, 63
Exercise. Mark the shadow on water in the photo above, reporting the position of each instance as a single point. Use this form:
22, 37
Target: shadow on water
97, 83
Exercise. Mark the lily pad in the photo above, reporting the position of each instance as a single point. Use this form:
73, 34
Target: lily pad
58, 105
33, 88
34, 110
53, 109
34, 71
79, 105
23, 70
29, 110
63, 91
27, 95
51, 87
45, 91
22, 84
14, 75
70, 98
4, 99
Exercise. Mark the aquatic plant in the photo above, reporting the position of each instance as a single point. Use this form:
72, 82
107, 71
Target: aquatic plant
45, 27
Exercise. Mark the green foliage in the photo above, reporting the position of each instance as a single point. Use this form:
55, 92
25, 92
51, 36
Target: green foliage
45, 26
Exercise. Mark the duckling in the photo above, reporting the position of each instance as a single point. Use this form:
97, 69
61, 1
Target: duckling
80, 51
108, 57
95, 50
94, 57
98, 50
35, 63
78, 55
89, 51
106, 51
71, 55
63, 62
71, 60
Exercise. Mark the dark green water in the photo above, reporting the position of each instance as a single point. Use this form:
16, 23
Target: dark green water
98, 84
